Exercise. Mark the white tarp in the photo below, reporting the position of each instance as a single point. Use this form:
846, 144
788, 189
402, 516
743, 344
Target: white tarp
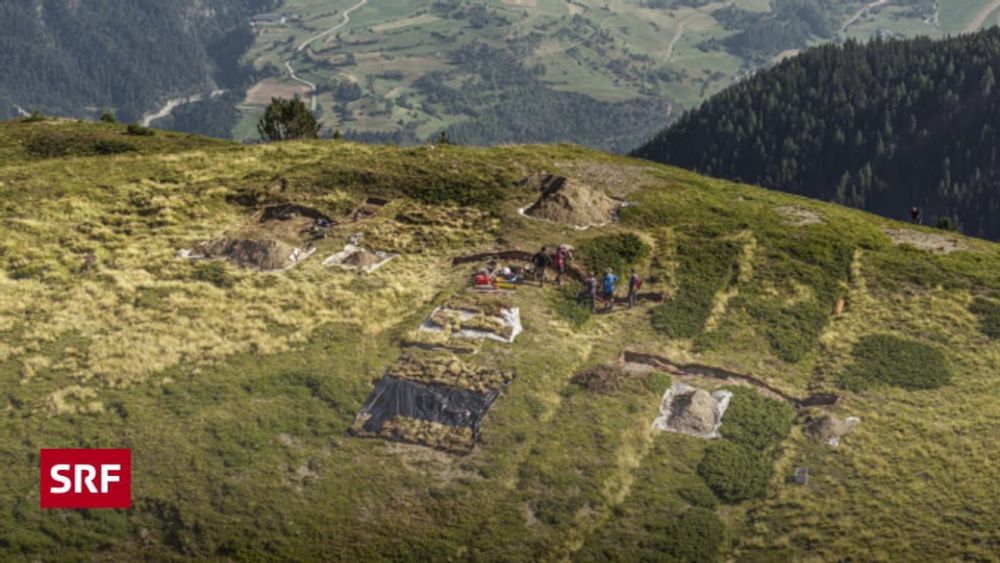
350, 249
508, 317
663, 420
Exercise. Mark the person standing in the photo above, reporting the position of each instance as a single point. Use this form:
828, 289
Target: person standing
634, 284
590, 290
915, 216
610, 279
541, 261
563, 256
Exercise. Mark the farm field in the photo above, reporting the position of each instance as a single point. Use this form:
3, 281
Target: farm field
504, 71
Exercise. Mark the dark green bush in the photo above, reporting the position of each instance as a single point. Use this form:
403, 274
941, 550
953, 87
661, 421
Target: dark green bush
699, 496
565, 304
890, 360
735, 472
108, 116
756, 421
112, 146
707, 266
139, 131
988, 312
618, 252
35, 117
694, 537
214, 273
658, 382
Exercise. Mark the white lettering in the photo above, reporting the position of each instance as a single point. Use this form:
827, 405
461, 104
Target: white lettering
56, 474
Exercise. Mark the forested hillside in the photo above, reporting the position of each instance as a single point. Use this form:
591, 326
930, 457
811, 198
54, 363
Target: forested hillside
882, 126
73, 58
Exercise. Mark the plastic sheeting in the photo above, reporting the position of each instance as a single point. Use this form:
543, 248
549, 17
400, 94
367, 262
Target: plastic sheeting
663, 420
450, 406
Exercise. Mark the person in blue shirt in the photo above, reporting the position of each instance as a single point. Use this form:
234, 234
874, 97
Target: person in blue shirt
610, 279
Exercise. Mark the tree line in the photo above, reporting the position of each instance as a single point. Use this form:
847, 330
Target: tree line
881, 126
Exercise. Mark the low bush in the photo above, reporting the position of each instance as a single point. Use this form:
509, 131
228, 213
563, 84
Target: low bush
658, 382
214, 273
707, 266
890, 360
139, 131
699, 496
988, 312
695, 536
735, 472
756, 421
112, 146
618, 252
564, 302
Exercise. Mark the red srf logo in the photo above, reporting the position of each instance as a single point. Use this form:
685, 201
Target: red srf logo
86, 478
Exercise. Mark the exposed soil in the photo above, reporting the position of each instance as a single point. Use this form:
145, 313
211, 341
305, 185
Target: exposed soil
570, 202
933, 242
798, 216
362, 259
600, 379
265, 255
273, 239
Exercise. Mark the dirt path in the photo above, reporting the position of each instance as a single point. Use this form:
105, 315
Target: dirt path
288, 64
978, 21
172, 104
21, 111
677, 37
864, 9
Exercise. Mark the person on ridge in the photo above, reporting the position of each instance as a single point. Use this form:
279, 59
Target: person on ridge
590, 290
634, 284
541, 261
915, 215
563, 255
610, 279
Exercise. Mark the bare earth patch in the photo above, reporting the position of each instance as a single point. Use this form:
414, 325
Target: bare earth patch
933, 242
260, 94
798, 216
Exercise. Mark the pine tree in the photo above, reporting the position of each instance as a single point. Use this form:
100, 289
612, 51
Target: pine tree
285, 120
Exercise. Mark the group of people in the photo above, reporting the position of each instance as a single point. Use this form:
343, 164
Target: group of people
607, 285
594, 289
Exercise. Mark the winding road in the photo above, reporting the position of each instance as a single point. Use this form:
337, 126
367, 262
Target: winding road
978, 21
288, 64
172, 104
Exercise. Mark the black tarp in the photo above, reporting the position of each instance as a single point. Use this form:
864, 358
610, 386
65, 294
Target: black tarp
451, 406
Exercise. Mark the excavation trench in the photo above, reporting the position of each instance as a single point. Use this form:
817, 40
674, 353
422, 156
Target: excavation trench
700, 370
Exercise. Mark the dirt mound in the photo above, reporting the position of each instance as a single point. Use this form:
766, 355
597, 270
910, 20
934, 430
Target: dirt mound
830, 429
694, 412
362, 259
259, 254
798, 216
569, 202
600, 379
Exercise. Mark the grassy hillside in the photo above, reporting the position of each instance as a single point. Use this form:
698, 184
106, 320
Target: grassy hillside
493, 71
235, 389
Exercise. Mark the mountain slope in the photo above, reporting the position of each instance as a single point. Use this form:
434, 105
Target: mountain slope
237, 390
70, 58
883, 126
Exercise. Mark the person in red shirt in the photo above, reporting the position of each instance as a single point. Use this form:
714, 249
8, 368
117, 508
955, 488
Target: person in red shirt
563, 256
482, 279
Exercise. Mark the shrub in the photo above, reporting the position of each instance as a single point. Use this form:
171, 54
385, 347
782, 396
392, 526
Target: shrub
111, 146
658, 382
618, 252
988, 312
735, 472
756, 421
139, 131
108, 116
214, 273
699, 496
566, 305
35, 117
706, 267
695, 536
891, 360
